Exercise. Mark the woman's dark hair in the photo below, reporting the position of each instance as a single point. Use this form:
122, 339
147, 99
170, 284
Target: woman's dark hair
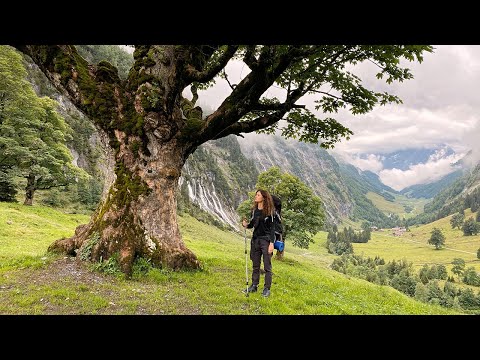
267, 203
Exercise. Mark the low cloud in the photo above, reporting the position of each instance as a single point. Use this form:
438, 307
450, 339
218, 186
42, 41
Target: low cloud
394, 128
434, 169
369, 162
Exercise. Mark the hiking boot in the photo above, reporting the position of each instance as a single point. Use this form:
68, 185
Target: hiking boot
266, 292
252, 288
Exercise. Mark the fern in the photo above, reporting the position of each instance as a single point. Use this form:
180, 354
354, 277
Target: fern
86, 251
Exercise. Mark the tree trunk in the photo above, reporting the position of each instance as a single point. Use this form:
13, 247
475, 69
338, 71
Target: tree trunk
279, 255
138, 216
29, 190
151, 132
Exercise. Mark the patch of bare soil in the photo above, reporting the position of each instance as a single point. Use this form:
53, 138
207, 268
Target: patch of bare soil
130, 297
64, 273
66, 269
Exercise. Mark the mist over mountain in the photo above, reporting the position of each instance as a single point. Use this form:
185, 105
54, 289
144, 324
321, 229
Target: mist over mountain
407, 167
429, 190
404, 159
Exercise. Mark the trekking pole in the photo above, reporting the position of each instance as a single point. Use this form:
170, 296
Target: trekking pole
246, 261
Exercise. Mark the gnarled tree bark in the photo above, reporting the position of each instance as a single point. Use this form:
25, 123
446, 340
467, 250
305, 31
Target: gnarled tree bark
143, 124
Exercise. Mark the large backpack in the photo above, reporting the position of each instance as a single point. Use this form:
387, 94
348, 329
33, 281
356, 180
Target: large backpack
279, 243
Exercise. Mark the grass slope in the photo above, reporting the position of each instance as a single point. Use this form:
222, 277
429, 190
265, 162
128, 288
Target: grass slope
28, 230
397, 207
302, 282
413, 245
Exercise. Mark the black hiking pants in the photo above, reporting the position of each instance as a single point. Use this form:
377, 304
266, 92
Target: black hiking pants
259, 248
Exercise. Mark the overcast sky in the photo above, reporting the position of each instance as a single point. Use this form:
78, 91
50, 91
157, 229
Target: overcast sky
440, 106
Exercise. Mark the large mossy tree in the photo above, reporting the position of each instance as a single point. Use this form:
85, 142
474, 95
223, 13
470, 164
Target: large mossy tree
152, 128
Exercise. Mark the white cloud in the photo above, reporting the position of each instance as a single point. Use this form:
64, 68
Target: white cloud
371, 162
431, 171
393, 128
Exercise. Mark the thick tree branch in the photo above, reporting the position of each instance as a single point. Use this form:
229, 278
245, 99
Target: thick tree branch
194, 91
259, 123
249, 57
247, 93
273, 107
210, 70
59, 64
264, 121
96, 90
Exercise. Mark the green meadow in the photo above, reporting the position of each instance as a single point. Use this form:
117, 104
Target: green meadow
398, 207
33, 281
413, 245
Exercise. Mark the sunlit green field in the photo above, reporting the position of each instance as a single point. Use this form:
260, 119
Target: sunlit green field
398, 206
29, 230
413, 245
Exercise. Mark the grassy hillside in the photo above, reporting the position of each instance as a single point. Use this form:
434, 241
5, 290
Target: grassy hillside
399, 206
26, 231
413, 245
32, 282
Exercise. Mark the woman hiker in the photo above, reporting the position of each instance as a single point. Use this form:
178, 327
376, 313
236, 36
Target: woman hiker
262, 241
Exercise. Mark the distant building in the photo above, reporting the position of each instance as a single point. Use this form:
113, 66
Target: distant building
398, 231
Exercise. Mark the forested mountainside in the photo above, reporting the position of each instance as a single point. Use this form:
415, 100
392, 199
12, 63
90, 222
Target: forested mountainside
462, 193
342, 187
429, 190
86, 143
359, 184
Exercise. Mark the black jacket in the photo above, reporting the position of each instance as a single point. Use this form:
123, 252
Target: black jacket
262, 226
